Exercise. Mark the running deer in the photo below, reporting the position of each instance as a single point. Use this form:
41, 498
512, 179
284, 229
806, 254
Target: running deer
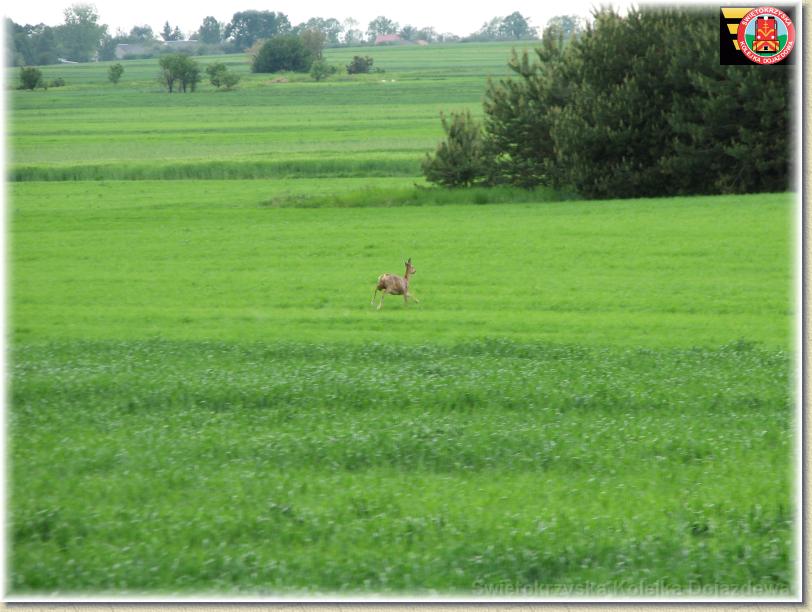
389, 283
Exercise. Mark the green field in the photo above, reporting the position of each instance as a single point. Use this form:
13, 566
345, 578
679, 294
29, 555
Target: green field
203, 400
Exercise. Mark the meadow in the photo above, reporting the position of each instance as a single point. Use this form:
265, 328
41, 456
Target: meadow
203, 401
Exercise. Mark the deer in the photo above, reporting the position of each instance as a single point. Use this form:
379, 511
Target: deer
390, 283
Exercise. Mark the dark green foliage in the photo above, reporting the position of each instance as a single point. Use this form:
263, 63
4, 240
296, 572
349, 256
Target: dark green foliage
639, 106
114, 73
614, 127
179, 70
247, 27
57, 82
730, 125
285, 52
30, 77
519, 116
459, 160
671, 120
219, 76
320, 70
359, 65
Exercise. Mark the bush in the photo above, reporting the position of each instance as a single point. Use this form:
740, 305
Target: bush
460, 160
286, 52
321, 70
114, 73
30, 77
57, 82
219, 76
178, 69
359, 65
229, 80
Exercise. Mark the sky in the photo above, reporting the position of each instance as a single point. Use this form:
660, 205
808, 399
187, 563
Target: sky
443, 16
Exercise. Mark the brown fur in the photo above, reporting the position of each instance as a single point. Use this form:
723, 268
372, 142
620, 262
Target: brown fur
395, 285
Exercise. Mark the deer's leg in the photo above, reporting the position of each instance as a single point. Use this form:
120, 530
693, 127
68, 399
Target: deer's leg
374, 293
383, 295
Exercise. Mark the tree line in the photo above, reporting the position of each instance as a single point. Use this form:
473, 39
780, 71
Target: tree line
637, 105
81, 37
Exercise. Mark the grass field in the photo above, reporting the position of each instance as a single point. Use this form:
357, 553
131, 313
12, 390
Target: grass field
203, 401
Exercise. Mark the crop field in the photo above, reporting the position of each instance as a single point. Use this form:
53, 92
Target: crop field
589, 394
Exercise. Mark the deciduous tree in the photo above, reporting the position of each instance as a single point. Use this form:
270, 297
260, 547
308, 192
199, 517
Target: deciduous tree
246, 27
210, 32
81, 34
381, 26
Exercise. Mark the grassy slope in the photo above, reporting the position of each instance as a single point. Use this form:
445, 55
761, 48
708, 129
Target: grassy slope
587, 391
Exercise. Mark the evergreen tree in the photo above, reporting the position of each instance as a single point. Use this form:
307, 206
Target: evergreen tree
638, 105
459, 160
519, 115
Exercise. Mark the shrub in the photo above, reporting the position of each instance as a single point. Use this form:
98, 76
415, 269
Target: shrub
219, 76
286, 52
460, 160
359, 65
321, 70
57, 82
114, 73
229, 80
30, 77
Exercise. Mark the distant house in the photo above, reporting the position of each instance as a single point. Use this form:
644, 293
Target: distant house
392, 39
154, 46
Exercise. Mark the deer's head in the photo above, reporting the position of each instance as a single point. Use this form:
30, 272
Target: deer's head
409, 267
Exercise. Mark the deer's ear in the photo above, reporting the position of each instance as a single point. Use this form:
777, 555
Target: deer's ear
409, 260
